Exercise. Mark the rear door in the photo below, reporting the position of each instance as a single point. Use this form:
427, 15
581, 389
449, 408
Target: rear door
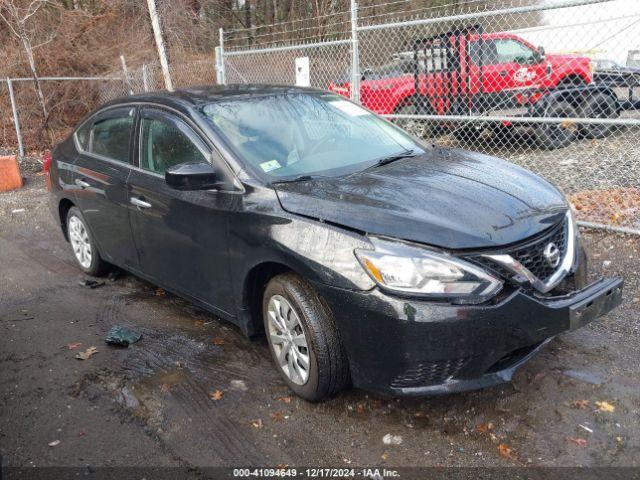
99, 178
181, 236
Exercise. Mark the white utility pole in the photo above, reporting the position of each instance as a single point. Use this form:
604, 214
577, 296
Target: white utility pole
157, 32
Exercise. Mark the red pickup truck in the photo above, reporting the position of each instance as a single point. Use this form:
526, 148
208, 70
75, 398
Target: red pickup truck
467, 72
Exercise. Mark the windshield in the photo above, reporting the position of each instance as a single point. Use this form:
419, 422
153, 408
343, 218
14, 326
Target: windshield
289, 135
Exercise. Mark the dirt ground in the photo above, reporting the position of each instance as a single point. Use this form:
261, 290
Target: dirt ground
153, 404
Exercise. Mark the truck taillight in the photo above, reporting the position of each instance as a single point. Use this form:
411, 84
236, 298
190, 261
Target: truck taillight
46, 161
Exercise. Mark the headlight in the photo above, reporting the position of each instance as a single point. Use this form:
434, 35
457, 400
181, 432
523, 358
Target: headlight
407, 269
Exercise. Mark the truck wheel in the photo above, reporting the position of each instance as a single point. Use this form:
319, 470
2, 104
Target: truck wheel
419, 128
468, 133
303, 338
599, 105
554, 135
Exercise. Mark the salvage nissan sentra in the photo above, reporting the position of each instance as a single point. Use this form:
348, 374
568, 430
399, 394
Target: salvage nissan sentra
366, 257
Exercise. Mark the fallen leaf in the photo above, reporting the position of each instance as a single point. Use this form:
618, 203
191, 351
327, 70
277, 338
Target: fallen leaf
71, 346
580, 404
360, 408
506, 451
539, 376
384, 456
277, 416
578, 441
217, 395
218, 341
605, 407
257, 423
285, 399
420, 415
484, 427
165, 387
198, 323
87, 353
55, 443
160, 292
619, 439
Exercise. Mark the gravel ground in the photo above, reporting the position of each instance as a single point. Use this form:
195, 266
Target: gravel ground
152, 404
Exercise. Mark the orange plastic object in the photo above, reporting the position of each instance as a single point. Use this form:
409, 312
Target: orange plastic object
9, 174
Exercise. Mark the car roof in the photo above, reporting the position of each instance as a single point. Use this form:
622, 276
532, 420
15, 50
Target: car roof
193, 96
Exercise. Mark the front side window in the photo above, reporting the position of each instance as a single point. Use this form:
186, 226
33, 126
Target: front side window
163, 145
288, 135
110, 137
511, 51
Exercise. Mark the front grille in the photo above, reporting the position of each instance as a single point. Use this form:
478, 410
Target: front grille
431, 373
530, 253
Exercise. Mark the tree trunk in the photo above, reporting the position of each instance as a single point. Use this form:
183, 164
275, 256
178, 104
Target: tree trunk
247, 20
36, 81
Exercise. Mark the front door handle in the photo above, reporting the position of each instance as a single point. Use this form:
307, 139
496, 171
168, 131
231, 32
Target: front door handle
503, 73
138, 202
82, 183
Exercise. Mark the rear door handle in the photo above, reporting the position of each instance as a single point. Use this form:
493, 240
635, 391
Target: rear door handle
82, 183
503, 73
138, 202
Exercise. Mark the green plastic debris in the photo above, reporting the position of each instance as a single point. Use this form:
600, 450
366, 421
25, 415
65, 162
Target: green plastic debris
122, 336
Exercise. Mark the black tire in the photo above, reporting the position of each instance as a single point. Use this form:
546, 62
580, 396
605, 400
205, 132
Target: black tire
467, 134
598, 105
418, 128
552, 135
328, 366
97, 267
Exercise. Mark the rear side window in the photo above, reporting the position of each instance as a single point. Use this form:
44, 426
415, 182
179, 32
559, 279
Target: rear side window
163, 145
110, 137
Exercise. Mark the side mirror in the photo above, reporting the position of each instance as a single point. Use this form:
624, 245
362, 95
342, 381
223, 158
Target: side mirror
194, 176
542, 53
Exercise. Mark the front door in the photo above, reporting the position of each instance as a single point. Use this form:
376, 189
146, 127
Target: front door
100, 174
181, 236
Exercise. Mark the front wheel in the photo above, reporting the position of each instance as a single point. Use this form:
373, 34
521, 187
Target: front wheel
84, 248
303, 338
553, 135
599, 105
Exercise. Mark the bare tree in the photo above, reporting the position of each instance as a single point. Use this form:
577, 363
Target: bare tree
17, 16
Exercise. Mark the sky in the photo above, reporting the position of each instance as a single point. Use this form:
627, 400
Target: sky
604, 30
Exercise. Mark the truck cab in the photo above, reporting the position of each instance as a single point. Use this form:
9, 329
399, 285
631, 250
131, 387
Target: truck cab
468, 72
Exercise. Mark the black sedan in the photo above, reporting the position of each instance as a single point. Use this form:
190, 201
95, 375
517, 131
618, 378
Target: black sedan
366, 257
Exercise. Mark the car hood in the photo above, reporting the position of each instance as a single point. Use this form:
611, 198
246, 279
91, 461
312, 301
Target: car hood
448, 198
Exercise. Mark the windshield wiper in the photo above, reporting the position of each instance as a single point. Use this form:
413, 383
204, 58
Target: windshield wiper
300, 178
392, 158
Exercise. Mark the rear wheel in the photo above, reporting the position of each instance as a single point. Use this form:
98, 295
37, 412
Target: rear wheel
303, 338
83, 245
599, 105
557, 135
417, 127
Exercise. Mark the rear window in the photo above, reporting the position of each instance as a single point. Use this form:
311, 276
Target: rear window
110, 137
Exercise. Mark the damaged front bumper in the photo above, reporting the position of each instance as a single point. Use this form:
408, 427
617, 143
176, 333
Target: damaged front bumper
409, 347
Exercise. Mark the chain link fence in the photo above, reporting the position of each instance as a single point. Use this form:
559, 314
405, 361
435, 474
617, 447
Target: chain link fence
27, 129
551, 85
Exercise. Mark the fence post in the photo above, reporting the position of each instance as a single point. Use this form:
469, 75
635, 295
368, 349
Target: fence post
125, 72
355, 54
145, 77
16, 121
220, 68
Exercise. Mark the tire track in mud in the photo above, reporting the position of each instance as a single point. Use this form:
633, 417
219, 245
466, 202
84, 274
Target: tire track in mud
170, 356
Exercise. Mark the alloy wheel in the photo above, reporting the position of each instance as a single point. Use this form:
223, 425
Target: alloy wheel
288, 339
80, 242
